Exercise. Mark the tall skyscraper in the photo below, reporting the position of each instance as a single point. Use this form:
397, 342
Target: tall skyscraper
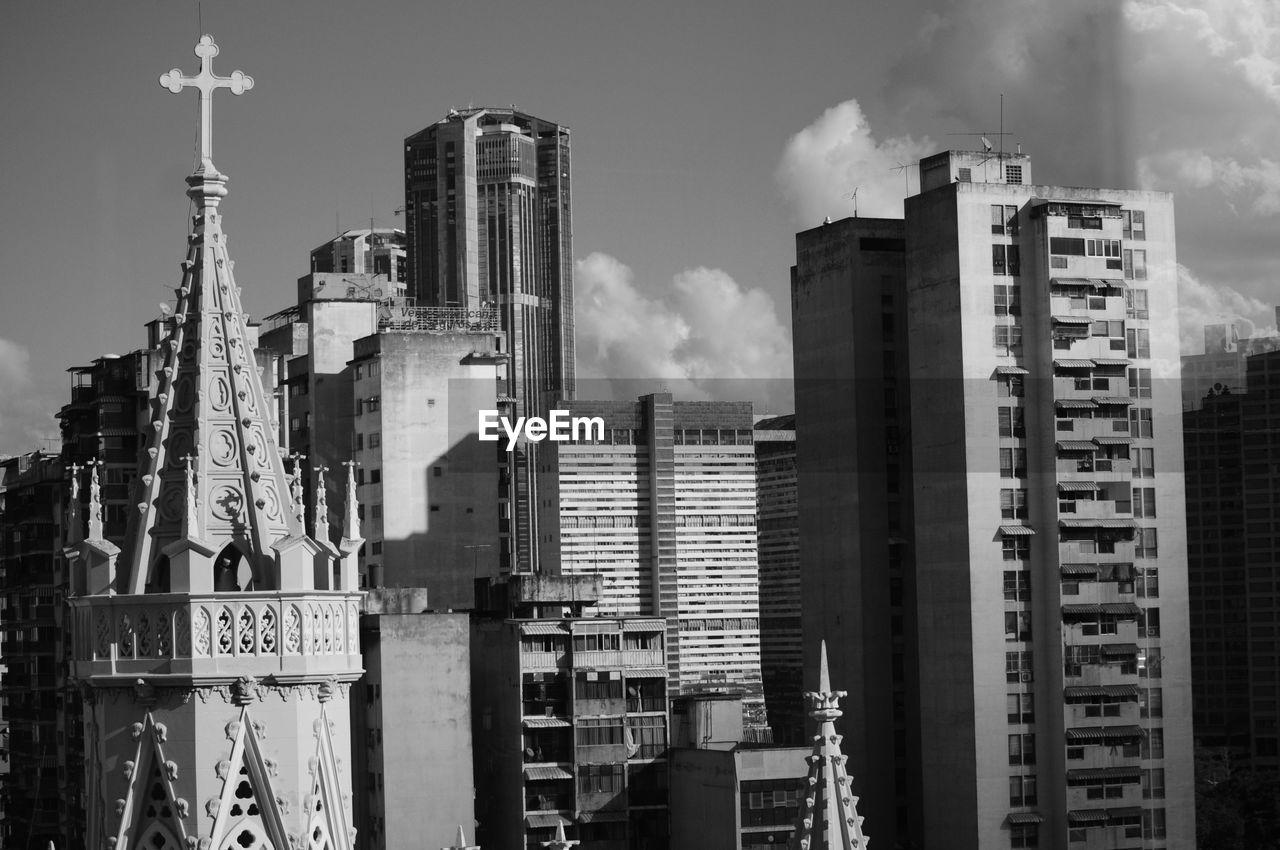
663, 509
1045, 653
488, 220
216, 648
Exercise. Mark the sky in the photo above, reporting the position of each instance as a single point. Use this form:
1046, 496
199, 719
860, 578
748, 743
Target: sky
705, 135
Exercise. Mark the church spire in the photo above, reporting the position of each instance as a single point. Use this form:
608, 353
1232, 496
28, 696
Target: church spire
829, 817
214, 487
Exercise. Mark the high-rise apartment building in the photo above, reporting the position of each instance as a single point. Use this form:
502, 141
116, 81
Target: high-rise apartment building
375, 251
1232, 548
1045, 653
488, 221
663, 509
1222, 365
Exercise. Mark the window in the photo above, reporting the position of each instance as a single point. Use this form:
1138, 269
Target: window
1022, 790
1017, 625
1152, 744
1068, 245
372, 403
1146, 543
1024, 836
600, 778
1149, 623
965, 175
1144, 463
1139, 342
1008, 336
1134, 224
1147, 582
1013, 463
1151, 702
610, 642
1022, 749
998, 259
1012, 422
1017, 587
375, 439
1013, 503
1005, 260
1102, 248
1153, 823
1144, 502
1013, 174
436, 471
1004, 220
377, 511
375, 476
1140, 423
1135, 264
1021, 708
1135, 304
1140, 383
1016, 548
1008, 300
1009, 386
1017, 665
598, 689
359, 442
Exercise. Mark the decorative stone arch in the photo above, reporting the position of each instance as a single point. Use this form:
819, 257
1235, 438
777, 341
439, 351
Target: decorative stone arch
234, 570
158, 837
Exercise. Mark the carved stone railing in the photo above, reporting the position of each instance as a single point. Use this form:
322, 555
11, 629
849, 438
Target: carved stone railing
123, 635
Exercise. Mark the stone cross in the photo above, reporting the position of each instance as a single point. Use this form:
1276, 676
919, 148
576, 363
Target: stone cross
175, 81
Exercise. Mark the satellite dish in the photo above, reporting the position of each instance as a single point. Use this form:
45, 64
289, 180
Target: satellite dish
986, 144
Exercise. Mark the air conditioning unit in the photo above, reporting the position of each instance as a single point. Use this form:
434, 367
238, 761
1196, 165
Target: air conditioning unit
1026, 675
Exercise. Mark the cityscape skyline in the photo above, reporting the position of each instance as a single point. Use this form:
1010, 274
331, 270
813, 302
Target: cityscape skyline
689, 239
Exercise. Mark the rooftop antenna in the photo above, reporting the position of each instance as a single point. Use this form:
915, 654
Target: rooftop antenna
854, 195
906, 178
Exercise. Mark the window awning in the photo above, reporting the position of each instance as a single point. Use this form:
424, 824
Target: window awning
544, 820
1133, 773
1103, 733
546, 772
599, 816
1076, 445
1017, 530
1079, 817
645, 672
1113, 441
1083, 321
1124, 608
644, 625
1082, 608
1101, 691
1069, 281
544, 722
1080, 569
1073, 363
542, 629
1120, 650
1075, 403
1011, 370
1099, 522
1124, 813
1113, 400
1025, 817
1111, 361
1078, 487
1106, 282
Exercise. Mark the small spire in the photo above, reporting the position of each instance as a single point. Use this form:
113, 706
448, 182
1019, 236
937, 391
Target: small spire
559, 842
351, 511
190, 515
295, 486
74, 531
322, 506
95, 501
461, 842
824, 676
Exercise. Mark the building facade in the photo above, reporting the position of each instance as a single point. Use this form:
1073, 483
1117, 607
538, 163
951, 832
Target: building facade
1222, 365
488, 222
1054, 689
376, 252
663, 510
571, 720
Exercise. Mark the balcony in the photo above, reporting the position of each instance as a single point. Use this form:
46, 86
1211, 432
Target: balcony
267, 632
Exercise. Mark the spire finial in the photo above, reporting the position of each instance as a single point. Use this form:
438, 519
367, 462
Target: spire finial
460, 843
322, 505
295, 486
175, 81
74, 531
95, 500
351, 510
824, 676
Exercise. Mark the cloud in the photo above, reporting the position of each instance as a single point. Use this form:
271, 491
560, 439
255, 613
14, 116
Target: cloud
823, 163
1197, 169
25, 420
1201, 304
702, 336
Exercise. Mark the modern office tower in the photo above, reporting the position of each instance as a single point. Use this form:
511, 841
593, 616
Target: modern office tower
663, 510
853, 466
1218, 570
397, 388
373, 251
778, 545
1232, 561
1047, 502
488, 220
215, 649
727, 792
411, 723
570, 719
1223, 363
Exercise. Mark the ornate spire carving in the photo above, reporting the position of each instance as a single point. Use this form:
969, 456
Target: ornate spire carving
295, 487
460, 843
95, 502
559, 842
321, 522
75, 532
829, 817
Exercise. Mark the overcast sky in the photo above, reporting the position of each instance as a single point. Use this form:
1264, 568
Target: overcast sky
705, 134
